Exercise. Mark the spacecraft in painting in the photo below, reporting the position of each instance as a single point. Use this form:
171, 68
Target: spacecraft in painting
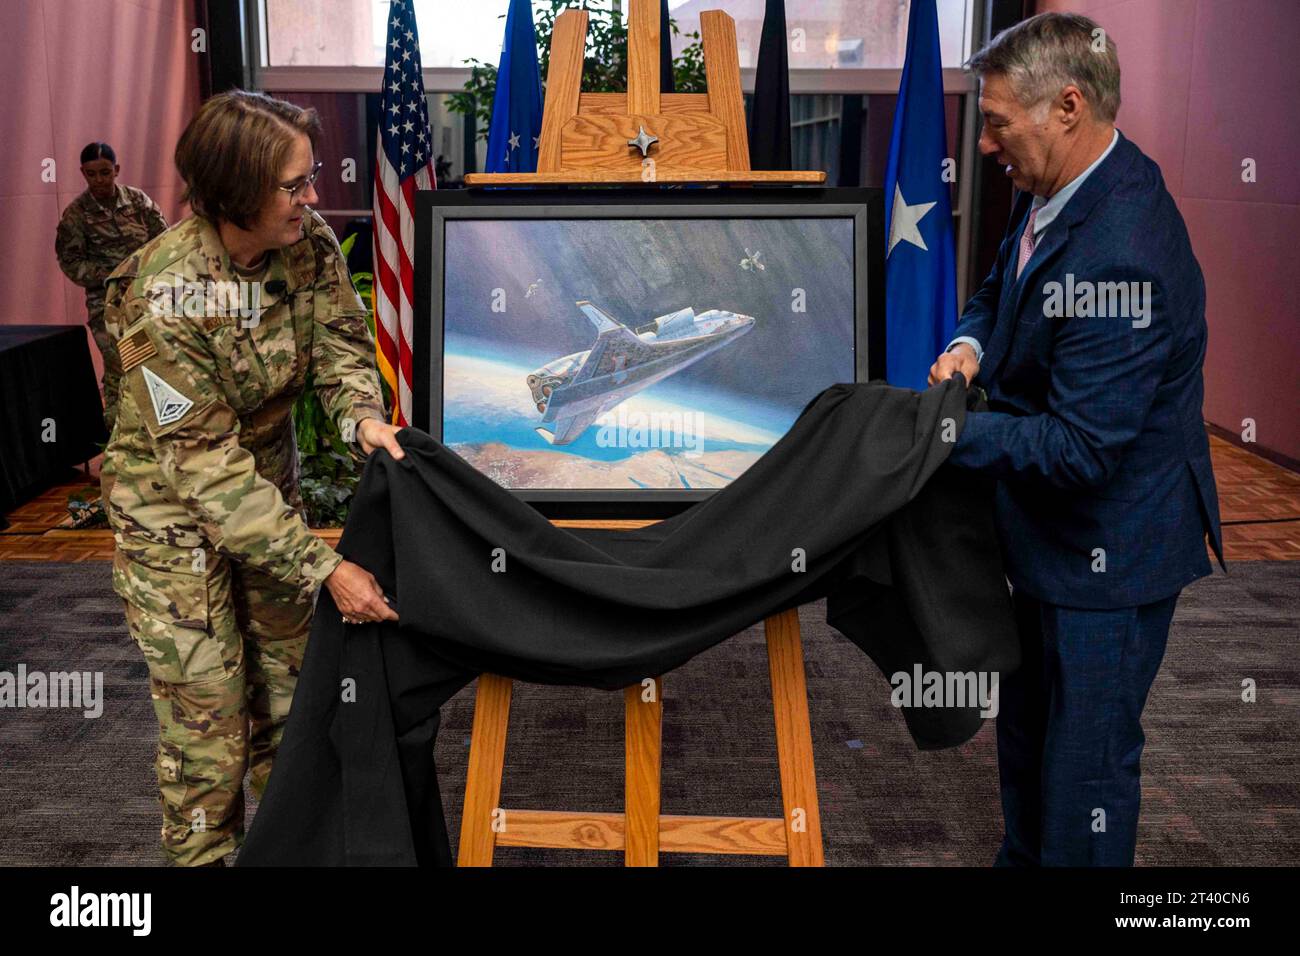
573, 391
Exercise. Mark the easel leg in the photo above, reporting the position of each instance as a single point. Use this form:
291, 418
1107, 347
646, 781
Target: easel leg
487, 754
794, 739
643, 743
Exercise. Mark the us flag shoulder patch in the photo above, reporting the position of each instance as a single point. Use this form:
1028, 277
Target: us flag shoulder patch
135, 349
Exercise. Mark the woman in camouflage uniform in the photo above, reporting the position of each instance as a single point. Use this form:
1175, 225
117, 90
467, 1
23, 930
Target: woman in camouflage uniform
99, 229
218, 323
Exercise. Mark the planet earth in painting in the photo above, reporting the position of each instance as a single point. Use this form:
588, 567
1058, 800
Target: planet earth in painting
648, 441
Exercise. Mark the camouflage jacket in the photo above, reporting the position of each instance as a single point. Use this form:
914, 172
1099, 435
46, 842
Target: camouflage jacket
203, 454
94, 237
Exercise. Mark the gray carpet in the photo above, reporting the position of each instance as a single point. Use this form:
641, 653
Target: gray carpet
1221, 783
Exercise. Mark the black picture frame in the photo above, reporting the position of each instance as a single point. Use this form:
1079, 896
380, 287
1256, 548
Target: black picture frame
435, 208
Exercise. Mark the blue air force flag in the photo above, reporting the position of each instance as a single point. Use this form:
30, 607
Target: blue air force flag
517, 107
920, 267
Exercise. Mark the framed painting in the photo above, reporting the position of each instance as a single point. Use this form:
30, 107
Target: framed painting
619, 352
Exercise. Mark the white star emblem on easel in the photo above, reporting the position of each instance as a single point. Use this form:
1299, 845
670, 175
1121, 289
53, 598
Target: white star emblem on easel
643, 140
514, 140
903, 222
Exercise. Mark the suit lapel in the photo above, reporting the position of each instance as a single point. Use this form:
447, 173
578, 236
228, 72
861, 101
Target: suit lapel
996, 348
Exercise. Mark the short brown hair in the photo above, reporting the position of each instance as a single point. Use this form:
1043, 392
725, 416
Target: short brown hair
231, 153
1044, 54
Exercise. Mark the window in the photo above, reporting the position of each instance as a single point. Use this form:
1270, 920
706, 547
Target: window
352, 32
824, 34
833, 34
815, 133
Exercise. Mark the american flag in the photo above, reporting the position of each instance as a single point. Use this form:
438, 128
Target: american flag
403, 164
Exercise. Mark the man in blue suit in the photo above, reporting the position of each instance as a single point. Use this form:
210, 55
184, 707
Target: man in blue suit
1088, 337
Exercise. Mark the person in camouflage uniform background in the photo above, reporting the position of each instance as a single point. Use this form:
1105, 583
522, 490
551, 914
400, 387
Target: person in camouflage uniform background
218, 323
99, 229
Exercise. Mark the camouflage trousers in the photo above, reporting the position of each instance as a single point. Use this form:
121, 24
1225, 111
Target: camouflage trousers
224, 646
112, 362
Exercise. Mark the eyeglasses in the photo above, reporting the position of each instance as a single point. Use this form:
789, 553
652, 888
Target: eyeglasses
302, 185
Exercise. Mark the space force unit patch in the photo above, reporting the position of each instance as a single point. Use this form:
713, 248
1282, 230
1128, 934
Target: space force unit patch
169, 405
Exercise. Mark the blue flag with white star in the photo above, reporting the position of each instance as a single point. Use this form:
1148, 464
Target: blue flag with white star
517, 106
920, 265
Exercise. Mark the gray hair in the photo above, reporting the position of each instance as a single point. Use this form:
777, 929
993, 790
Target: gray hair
1044, 54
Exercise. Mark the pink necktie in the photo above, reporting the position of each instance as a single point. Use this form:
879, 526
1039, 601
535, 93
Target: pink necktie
1027, 241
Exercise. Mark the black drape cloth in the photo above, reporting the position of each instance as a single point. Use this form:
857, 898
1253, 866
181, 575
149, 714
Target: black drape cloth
47, 380
903, 549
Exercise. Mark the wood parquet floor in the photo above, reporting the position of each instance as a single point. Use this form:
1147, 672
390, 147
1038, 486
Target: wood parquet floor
1259, 504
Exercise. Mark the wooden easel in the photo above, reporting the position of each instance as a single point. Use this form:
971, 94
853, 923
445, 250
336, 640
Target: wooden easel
638, 137
587, 138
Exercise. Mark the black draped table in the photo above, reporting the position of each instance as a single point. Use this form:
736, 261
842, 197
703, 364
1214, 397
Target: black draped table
47, 391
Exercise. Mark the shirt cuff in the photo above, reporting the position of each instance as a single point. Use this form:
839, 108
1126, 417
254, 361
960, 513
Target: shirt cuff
973, 343
358, 414
319, 564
